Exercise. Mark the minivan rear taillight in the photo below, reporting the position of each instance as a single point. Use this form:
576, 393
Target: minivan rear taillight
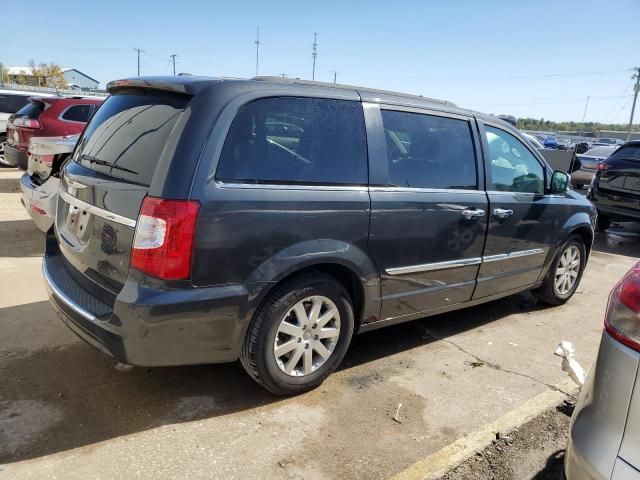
623, 312
164, 237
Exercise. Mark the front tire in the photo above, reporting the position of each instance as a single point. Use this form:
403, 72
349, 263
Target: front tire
565, 273
300, 334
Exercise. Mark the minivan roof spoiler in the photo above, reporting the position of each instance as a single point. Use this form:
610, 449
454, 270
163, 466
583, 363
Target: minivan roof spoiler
188, 85
297, 81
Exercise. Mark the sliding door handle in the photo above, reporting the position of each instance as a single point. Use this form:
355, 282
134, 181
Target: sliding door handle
502, 213
471, 213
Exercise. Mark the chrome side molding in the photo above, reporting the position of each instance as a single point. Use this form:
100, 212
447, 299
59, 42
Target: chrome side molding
509, 256
465, 262
428, 267
97, 211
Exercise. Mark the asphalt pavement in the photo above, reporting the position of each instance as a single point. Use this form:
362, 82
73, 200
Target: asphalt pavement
65, 412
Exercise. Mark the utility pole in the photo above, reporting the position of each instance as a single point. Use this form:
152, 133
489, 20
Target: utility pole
139, 51
335, 76
173, 61
584, 115
257, 42
314, 55
635, 98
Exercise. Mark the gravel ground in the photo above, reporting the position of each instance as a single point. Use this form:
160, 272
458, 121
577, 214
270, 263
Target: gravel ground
535, 451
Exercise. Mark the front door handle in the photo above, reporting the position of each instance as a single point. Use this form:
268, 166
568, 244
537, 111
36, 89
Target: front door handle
502, 213
471, 213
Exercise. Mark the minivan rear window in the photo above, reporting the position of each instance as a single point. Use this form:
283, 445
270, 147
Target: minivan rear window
31, 110
126, 136
296, 141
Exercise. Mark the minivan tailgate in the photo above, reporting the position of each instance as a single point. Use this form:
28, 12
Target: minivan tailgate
95, 225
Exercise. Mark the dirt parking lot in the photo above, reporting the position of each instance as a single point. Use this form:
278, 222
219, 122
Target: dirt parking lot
65, 412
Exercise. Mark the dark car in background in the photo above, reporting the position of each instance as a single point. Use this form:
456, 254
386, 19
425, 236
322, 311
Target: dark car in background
204, 220
588, 164
565, 143
615, 190
45, 117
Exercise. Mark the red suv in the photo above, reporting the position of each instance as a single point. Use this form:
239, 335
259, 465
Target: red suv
46, 117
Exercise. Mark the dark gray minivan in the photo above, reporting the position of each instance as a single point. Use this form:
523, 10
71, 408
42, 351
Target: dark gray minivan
205, 220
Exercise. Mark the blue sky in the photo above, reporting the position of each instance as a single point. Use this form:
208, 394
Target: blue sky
538, 59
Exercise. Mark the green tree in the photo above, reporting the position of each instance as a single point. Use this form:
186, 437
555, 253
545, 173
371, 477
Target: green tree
48, 75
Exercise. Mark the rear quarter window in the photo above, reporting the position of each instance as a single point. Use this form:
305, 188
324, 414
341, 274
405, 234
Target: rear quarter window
128, 133
77, 113
298, 141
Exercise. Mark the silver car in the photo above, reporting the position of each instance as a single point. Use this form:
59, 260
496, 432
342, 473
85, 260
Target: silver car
40, 183
589, 164
604, 440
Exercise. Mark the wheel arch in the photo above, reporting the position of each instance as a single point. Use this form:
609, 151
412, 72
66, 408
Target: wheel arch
345, 262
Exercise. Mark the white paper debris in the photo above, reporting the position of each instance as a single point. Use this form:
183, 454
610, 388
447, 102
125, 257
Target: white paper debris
569, 363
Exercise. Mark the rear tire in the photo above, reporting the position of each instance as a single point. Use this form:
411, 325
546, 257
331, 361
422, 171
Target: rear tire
282, 350
564, 274
579, 186
3, 144
603, 222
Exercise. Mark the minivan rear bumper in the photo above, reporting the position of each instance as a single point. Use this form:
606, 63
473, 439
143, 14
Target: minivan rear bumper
147, 326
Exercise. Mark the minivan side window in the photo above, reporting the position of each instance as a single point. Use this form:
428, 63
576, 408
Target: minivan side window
428, 151
296, 140
77, 113
512, 166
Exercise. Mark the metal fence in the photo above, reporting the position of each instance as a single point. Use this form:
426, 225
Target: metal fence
57, 91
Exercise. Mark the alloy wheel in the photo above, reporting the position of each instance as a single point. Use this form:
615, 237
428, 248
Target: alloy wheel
307, 336
567, 270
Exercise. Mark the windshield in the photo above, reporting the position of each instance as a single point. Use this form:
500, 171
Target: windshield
126, 136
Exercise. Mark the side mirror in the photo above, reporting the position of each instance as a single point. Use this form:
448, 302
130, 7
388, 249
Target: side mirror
560, 182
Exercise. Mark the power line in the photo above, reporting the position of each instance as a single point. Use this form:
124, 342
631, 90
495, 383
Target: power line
492, 78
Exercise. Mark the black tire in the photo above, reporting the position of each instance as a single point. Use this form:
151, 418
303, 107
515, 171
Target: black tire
3, 143
257, 355
547, 292
603, 222
579, 186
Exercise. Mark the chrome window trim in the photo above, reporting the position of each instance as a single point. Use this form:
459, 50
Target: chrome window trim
422, 190
425, 111
99, 212
63, 298
289, 186
429, 267
509, 256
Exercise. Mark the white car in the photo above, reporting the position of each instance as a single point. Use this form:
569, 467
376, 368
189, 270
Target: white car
40, 183
10, 102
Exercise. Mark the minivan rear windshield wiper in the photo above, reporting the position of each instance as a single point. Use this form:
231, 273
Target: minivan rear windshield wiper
97, 161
